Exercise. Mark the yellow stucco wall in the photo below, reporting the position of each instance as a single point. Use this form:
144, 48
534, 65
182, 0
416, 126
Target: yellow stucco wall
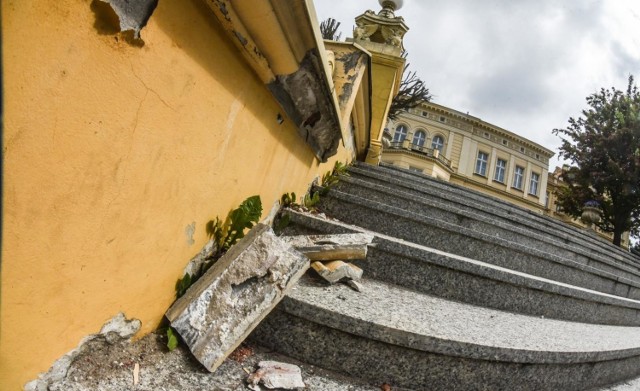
111, 152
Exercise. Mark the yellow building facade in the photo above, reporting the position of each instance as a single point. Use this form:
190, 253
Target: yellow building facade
118, 149
456, 147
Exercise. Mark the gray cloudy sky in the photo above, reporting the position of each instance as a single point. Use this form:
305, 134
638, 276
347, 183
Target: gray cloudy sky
523, 65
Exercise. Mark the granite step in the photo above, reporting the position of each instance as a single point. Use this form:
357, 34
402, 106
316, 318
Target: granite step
558, 232
475, 199
445, 275
387, 333
625, 385
489, 224
459, 240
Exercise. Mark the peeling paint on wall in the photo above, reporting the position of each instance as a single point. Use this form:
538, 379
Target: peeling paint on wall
189, 230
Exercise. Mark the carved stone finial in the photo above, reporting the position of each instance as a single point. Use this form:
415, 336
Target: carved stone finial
389, 7
382, 32
364, 31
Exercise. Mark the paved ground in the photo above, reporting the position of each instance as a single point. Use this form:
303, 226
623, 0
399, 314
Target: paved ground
102, 366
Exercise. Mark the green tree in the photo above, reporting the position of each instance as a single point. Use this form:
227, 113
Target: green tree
603, 146
635, 248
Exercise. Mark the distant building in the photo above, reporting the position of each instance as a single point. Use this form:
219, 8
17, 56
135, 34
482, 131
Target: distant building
459, 148
456, 147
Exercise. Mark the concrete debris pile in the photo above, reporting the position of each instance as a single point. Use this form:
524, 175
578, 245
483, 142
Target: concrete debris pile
328, 253
219, 310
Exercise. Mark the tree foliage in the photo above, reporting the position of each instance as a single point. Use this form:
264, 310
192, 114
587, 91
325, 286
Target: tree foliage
329, 29
635, 248
411, 93
603, 146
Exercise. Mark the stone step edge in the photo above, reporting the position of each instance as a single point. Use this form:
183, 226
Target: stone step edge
571, 230
468, 265
567, 232
563, 226
400, 194
294, 304
535, 224
343, 197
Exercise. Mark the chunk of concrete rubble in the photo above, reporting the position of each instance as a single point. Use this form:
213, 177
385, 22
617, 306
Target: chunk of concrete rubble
355, 285
220, 310
331, 247
336, 271
273, 374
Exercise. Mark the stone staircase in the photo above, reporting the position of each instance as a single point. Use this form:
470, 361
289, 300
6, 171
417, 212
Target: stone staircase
461, 292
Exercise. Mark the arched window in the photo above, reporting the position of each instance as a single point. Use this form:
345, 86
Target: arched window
418, 138
400, 134
437, 143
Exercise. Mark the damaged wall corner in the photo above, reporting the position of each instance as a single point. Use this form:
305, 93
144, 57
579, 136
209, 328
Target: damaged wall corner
117, 329
306, 99
133, 15
220, 310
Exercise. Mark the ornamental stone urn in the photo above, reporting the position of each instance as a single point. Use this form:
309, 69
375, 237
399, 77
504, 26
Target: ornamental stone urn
590, 216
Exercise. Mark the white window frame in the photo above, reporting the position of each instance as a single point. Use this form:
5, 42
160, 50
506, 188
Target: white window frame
533, 183
399, 136
437, 145
420, 140
481, 163
501, 170
518, 178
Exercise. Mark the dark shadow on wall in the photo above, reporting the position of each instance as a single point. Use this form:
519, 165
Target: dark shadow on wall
195, 30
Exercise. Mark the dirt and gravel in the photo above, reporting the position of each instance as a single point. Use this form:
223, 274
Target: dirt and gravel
109, 363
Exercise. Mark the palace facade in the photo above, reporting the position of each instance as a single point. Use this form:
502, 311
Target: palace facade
463, 149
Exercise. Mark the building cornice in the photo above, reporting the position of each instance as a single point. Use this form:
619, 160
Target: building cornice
475, 123
281, 41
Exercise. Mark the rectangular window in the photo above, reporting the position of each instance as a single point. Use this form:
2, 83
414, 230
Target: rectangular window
533, 185
501, 167
481, 163
518, 176
546, 201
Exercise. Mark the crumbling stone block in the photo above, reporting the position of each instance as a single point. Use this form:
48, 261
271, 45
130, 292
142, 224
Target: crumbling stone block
336, 271
218, 312
276, 375
331, 247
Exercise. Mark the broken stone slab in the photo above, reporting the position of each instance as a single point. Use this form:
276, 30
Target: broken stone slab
273, 374
336, 271
344, 239
220, 310
331, 247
